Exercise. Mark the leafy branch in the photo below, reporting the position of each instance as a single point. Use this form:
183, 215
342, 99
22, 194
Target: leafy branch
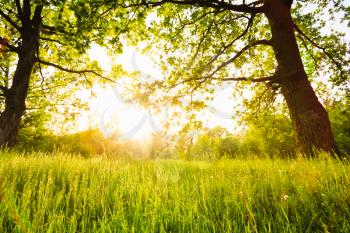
71, 70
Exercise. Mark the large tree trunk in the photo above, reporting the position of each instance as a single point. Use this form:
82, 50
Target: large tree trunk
16, 95
309, 118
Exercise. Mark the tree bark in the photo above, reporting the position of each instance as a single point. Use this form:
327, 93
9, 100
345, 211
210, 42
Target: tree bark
16, 95
309, 118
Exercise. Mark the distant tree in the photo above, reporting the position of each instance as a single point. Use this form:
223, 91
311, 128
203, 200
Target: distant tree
218, 132
215, 143
272, 137
159, 145
229, 147
204, 148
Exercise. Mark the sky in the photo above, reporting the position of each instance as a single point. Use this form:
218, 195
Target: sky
109, 112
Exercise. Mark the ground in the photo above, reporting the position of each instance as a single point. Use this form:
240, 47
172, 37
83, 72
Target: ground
66, 193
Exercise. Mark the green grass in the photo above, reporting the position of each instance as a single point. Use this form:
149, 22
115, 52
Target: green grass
61, 193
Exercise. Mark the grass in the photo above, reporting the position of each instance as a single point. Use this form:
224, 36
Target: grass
62, 193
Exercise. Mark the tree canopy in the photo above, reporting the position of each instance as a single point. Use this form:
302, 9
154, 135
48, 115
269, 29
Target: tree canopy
36, 35
202, 44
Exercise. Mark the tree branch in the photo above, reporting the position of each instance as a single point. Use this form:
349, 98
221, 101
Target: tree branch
202, 79
203, 37
3, 88
330, 56
26, 12
245, 48
51, 30
72, 71
19, 9
216, 4
36, 20
4, 42
51, 40
249, 24
9, 20
309, 51
256, 80
271, 79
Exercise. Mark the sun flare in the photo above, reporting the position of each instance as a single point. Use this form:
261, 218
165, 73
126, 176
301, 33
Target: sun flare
112, 115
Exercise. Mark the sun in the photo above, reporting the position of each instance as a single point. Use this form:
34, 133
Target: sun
115, 117
111, 114
129, 121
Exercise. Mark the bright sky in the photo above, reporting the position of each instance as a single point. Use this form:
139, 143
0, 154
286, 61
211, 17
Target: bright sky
109, 112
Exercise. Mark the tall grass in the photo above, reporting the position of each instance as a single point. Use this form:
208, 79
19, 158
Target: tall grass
62, 193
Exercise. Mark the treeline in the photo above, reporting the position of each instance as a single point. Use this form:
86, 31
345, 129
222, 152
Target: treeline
87, 143
265, 136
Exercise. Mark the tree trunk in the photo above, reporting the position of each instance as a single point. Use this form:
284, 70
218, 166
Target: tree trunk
309, 118
16, 95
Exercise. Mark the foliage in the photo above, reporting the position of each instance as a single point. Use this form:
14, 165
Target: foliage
271, 132
61, 193
161, 147
259, 141
88, 143
54, 38
340, 119
216, 38
265, 134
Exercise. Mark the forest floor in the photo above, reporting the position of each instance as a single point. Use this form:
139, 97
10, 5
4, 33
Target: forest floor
63, 193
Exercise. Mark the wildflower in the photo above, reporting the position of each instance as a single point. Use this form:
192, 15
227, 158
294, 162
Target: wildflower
285, 197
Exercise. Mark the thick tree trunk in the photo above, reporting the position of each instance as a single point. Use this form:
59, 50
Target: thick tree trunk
9, 125
15, 96
309, 118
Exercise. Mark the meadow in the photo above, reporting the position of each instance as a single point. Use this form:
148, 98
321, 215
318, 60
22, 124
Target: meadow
65, 193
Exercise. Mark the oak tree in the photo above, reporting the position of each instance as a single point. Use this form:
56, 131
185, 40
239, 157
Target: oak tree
37, 34
277, 43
